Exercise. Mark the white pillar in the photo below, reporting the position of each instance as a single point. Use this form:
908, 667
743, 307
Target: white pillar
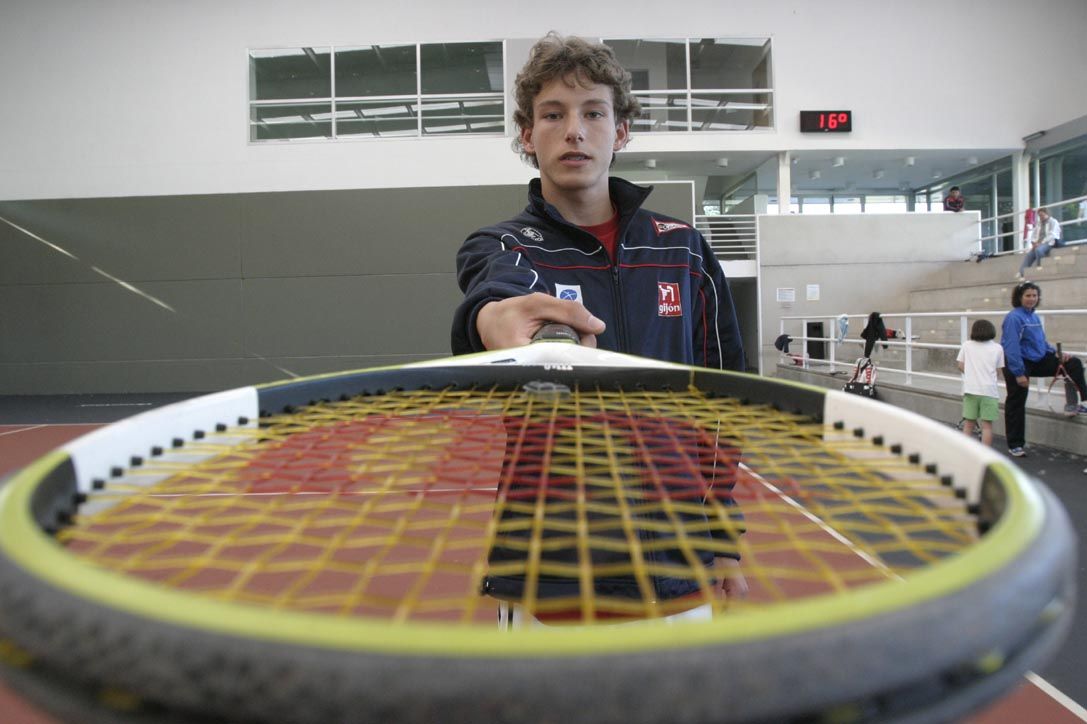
1020, 192
785, 181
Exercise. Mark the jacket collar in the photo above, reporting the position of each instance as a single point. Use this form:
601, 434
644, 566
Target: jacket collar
627, 197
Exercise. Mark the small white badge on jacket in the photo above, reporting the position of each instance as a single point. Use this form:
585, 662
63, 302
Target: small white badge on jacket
571, 292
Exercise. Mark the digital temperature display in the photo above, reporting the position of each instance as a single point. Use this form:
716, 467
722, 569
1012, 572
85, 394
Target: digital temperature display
826, 121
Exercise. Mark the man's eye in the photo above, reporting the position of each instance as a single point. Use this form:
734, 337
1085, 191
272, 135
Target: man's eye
551, 116
595, 114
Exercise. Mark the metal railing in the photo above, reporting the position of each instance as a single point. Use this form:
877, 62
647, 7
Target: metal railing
731, 236
909, 341
996, 234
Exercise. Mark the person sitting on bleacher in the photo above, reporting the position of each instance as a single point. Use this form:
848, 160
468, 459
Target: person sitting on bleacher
1046, 236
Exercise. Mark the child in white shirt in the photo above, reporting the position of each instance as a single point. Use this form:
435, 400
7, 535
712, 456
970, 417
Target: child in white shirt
980, 360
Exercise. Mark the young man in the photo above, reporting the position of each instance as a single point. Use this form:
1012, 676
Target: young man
1046, 236
954, 200
584, 252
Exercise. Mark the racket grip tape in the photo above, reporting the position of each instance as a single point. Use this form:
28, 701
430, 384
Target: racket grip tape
555, 332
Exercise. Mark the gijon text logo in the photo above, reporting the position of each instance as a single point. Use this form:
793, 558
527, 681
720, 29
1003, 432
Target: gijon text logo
668, 302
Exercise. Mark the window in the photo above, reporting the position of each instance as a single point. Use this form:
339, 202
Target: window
699, 84
290, 93
1063, 173
884, 204
377, 91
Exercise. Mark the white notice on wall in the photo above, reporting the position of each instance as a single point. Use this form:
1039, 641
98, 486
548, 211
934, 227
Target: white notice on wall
813, 292
786, 294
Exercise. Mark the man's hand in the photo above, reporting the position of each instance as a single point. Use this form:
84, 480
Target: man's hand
512, 322
1023, 381
733, 583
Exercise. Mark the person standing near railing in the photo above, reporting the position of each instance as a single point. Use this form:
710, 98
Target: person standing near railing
1046, 236
1027, 354
954, 200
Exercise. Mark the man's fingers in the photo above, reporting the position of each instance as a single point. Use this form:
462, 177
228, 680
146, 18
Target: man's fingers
512, 322
564, 311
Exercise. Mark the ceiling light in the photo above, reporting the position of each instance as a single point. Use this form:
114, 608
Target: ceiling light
878, 173
813, 175
1033, 136
937, 174
910, 161
972, 160
722, 162
651, 163
839, 161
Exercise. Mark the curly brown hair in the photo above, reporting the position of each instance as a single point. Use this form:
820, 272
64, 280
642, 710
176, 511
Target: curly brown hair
578, 61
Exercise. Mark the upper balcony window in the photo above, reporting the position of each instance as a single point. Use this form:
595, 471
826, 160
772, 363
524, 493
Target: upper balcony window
700, 84
377, 91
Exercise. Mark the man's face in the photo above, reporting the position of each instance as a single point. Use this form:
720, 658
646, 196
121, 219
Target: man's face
956, 194
574, 135
1043, 215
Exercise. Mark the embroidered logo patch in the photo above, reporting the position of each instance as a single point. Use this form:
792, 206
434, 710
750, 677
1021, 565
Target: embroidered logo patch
663, 227
569, 291
529, 233
668, 303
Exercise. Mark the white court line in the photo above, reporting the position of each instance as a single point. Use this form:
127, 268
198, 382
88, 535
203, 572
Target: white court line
23, 429
875, 563
1057, 695
116, 404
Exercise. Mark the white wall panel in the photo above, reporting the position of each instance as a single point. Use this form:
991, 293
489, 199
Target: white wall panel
130, 97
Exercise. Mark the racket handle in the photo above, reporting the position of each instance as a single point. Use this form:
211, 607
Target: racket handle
555, 332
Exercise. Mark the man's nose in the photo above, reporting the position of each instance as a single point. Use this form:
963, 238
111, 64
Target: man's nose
575, 131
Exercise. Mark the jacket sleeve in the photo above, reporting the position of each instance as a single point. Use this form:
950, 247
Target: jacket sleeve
717, 339
489, 268
1011, 331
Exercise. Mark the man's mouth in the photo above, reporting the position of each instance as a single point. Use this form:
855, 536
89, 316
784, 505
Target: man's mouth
573, 156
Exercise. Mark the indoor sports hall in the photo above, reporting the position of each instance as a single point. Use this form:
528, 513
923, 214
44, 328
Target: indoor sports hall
241, 478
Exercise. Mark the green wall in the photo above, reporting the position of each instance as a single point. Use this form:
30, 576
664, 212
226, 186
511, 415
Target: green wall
234, 289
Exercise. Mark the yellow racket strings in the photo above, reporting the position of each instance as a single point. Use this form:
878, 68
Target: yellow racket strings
402, 505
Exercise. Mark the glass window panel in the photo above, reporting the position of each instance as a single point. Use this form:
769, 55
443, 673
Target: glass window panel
461, 67
719, 63
662, 112
290, 120
884, 204
480, 114
378, 117
847, 205
978, 195
731, 111
814, 205
290, 73
654, 64
375, 70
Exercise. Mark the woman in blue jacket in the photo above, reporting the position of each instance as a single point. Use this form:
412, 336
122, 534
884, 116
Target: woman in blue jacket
1027, 354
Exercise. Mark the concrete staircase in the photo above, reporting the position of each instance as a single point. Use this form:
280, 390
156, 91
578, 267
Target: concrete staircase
988, 285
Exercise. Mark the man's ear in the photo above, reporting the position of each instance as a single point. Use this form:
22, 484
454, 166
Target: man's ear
526, 140
622, 135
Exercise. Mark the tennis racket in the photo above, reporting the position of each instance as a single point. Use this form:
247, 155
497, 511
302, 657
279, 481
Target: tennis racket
1062, 394
339, 548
